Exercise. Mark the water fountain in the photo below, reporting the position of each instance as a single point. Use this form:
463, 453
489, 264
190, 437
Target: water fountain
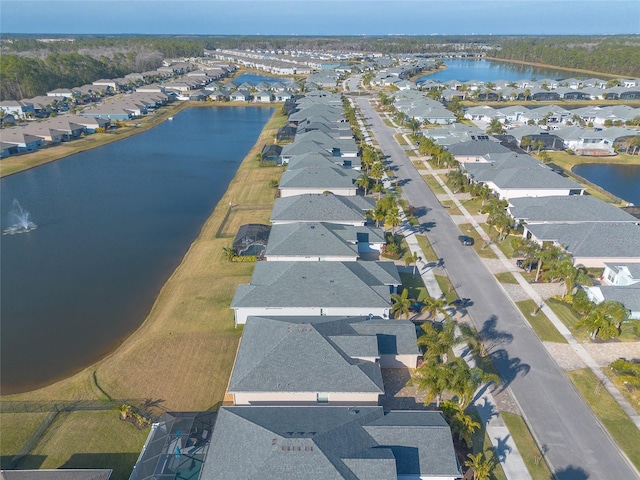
21, 218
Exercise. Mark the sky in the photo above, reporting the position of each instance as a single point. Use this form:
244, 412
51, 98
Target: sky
321, 17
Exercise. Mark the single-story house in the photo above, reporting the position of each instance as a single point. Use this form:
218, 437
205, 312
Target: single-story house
355, 443
319, 360
629, 296
515, 175
591, 244
476, 150
271, 153
317, 180
317, 241
566, 209
317, 289
322, 208
623, 274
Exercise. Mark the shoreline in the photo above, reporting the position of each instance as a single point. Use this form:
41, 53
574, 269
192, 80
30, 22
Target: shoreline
104, 379
554, 67
26, 161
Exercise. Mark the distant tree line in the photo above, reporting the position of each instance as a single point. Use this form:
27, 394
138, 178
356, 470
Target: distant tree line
30, 67
619, 55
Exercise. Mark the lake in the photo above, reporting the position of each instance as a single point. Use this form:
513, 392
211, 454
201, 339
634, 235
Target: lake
489, 71
113, 224
621, 180
255, 79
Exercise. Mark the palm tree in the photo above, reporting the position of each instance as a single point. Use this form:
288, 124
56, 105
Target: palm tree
414, 125
432, 378
363, 182
433, 306
604, 320
377, 171
481, 466
229, 253
378, 189
124, 409
456, 180
438, 341
378, 216
547, 254
392, 219
401, 303
461, 424
464, 380
411, 258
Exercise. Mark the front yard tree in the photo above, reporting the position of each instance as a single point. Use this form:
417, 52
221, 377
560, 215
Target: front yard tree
480, 465
363, 181
495, 127
411, 258
433, 306
604, 320
438, 341
392, 219
401, 303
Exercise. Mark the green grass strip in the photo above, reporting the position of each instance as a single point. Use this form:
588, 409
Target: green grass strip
616, 421
527, 447
540, 323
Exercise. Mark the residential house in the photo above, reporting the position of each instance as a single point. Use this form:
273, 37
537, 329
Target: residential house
476, 150
317, 289
319, 360
355, 443
621, 274
318, 241
591, 244
515, 175
566, 209
327, 208
629, 296
21, 140
317, 180
17, 108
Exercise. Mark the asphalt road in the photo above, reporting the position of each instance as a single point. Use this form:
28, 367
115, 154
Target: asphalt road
577, 446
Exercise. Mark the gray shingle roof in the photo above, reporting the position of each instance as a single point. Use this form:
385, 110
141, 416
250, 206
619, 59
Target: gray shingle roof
319, 177
318, 284
477, 147
317, 354
593, 240
628, 295
567, 209
313, 238
321, 208
518, 171
286, 443
60, 474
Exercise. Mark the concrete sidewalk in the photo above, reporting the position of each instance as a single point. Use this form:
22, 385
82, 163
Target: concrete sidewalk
504, 447
577, 347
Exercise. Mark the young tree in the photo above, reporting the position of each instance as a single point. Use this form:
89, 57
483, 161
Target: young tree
363, 182
401, 303
604, 320
433, 306
495, 127
437, 341
411, 258
392, 219
480, 465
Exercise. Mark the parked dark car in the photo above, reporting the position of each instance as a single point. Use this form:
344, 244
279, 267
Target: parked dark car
416, 307
465, 240
527, 264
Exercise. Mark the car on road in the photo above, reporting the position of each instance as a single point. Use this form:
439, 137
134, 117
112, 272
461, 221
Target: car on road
465, 240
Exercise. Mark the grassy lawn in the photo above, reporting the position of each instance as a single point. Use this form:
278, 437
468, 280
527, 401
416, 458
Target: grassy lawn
415, 285
183, 353
447, 287
400, 139
472, 205
527, 447
16, 430
479, 244
540, 323
482, 443
506, 277
568, 317
632, 394
451, 207
427, 249
88, 440
433, 184
619, 425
